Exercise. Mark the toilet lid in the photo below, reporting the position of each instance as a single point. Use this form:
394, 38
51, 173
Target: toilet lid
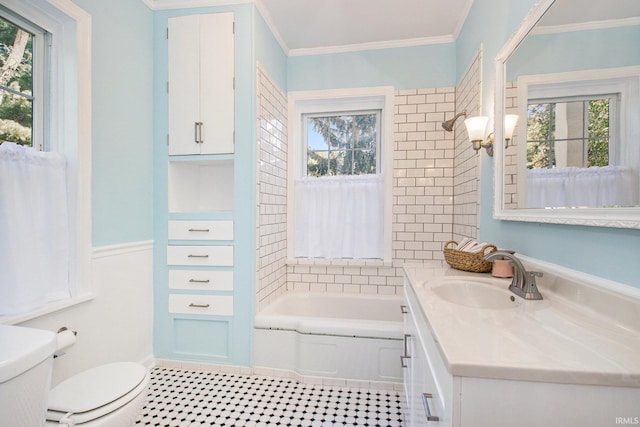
96, 387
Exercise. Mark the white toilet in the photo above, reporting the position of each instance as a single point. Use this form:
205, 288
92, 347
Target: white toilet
110, 395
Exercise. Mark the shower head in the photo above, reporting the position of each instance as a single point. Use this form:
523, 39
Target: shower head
448, 125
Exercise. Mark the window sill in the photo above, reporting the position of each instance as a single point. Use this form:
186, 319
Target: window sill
47, 309
341, 262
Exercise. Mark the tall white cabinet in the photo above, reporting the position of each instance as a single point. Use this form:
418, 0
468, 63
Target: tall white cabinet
201, 84
199, 315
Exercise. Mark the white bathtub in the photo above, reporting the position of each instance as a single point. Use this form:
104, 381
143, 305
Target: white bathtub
335, 335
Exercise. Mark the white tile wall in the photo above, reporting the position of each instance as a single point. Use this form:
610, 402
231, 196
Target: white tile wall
510, 164
466, 205
435, 187
271, 191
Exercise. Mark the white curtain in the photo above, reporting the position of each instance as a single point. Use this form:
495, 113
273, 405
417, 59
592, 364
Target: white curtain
581, 187
339, 217
34, 229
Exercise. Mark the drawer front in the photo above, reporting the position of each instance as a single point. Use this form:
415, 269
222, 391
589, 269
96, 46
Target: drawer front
200, 230
201, 280
210, 305
200, 255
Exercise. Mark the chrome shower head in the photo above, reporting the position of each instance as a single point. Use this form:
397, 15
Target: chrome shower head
448, 125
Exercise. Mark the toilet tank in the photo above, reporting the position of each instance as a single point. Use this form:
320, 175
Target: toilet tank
26, 363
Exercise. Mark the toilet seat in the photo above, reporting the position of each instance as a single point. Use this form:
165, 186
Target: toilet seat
96, 392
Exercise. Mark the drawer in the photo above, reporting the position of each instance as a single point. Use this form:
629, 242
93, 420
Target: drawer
200, 255
201, 280
210, 305
200, 230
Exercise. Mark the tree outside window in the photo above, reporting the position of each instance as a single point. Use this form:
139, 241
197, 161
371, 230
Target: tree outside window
16, 84
342, 144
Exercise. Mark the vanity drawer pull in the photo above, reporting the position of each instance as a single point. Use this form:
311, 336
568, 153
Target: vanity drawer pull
425, 402
201, 230
198, 256
406, 351
199, 305
199, 281
403, 309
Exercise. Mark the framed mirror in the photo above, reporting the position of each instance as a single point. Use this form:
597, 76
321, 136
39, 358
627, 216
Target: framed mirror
571, 74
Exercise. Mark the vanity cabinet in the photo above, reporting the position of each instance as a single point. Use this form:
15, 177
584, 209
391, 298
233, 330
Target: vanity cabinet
428, 385
435, 397
201, 84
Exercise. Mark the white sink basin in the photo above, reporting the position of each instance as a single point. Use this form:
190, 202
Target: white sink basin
476, 294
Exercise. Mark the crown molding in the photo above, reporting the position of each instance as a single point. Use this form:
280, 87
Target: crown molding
187, 4
421, 41
585, 26
463, 18
262, 10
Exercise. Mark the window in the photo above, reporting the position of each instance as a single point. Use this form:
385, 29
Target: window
344, 143
570, 132
59, 100
340, 174
22, 76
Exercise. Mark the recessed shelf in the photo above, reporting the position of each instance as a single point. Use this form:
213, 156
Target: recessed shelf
201, 186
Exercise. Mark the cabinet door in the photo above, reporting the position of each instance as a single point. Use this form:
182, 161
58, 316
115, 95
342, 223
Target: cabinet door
201, 84
216, 82
184, 84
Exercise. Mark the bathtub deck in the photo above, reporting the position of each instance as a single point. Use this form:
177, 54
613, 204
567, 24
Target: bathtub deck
181, 397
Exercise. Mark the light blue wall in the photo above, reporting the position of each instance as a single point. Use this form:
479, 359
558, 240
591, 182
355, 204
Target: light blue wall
403, 68
580, 50
605, 252
122, 107
269, 53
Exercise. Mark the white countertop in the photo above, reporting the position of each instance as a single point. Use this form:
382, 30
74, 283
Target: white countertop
553, 340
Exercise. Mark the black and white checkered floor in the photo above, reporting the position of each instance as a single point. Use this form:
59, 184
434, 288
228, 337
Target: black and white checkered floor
189, 398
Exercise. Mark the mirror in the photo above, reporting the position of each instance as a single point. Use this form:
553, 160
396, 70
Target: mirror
572, 75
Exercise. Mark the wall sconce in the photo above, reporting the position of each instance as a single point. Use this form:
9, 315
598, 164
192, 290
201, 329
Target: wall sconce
476, 127
510, 122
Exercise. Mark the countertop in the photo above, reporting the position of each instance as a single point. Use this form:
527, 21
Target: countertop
554, 340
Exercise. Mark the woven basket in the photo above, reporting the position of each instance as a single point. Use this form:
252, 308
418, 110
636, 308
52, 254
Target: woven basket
468, 261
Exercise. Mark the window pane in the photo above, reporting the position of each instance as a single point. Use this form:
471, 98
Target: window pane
347, 141
568, 134
16, 83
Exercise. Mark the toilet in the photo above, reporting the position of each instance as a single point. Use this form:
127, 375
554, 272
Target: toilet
109, 395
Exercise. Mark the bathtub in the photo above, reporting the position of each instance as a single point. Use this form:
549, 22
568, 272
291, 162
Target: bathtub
335, 335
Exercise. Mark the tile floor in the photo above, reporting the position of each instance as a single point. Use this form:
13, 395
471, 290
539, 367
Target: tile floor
190, 398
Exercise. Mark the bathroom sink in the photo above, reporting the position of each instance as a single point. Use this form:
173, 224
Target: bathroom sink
470, 293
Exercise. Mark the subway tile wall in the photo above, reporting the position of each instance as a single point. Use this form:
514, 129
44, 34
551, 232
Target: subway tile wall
510, 156
434, 192
271, 191
422, 201
466, 202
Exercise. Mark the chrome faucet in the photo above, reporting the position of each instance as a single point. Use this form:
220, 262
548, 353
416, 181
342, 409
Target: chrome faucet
523, 283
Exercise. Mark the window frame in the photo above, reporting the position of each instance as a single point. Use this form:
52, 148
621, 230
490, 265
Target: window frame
339, 100
624, 81
68, 126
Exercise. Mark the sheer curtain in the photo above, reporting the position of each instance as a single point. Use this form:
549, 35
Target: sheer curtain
34, 229
581, 187
339, 217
